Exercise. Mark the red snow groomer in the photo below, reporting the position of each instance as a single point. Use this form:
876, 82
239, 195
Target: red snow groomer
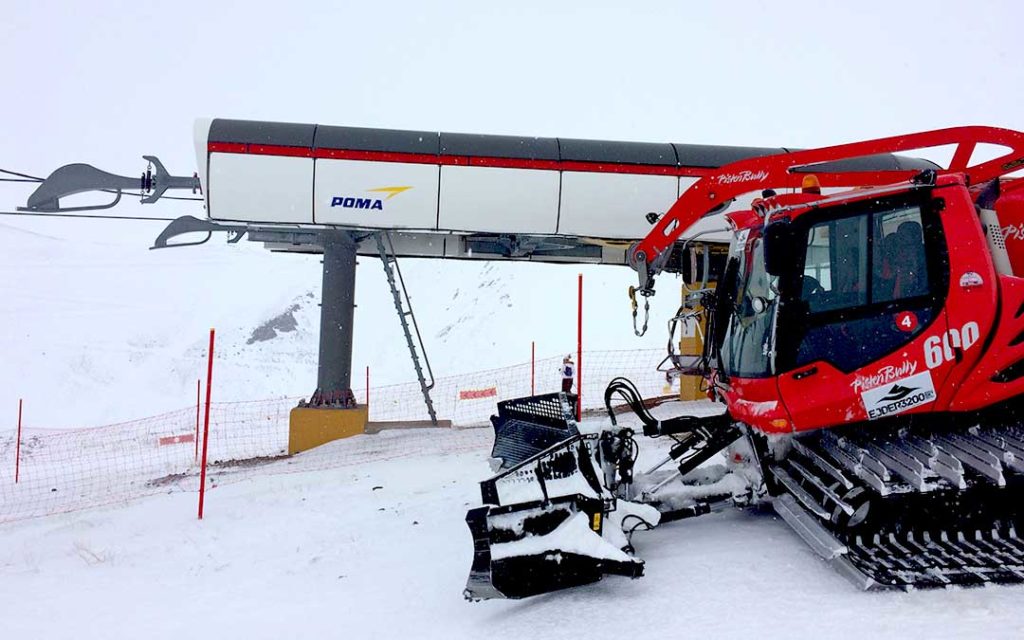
867, 347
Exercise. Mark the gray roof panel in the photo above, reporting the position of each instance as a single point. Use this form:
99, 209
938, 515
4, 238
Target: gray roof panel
488, 146
607, 151
363, 139
714, 156
879, 162
255, 132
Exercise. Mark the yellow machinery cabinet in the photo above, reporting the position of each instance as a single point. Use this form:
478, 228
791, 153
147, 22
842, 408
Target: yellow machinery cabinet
310, 427
690, 386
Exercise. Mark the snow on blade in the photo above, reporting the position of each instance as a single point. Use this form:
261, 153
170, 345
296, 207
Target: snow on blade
572, 536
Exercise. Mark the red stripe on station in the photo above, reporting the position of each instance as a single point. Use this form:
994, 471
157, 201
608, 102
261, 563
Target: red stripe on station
458, 161
279, 150
515, 163
608, 167
227, 147
376, 156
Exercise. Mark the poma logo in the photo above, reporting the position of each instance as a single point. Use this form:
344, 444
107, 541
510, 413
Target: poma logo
356, 203
351, 202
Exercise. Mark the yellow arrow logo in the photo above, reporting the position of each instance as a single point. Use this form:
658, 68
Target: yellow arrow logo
391, 191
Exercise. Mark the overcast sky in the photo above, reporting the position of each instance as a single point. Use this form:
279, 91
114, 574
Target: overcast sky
104, 82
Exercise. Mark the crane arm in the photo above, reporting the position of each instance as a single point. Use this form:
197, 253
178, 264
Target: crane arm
721, 186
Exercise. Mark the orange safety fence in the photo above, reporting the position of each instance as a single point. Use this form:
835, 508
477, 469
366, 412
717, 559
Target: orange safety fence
72, 469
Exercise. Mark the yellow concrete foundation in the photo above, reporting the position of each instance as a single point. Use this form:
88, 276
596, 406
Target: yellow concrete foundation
310, 427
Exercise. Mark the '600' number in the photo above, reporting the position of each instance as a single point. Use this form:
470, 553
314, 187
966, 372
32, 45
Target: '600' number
939, 349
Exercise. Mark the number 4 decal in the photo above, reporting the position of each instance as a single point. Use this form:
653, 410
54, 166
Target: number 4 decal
940, 349
906, 321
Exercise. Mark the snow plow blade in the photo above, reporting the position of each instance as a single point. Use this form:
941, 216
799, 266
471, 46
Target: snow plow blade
549, 569
542, 527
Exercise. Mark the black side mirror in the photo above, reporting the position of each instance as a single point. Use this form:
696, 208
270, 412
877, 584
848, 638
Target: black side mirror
778, 247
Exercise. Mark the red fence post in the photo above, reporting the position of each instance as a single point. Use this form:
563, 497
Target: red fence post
17, 447
533, 368
579, 348
206, 427
367, 392
198, 404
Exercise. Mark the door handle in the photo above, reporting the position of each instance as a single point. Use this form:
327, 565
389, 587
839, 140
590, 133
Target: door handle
806, 373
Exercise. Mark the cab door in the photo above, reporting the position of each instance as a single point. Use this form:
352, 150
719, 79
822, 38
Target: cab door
867, 291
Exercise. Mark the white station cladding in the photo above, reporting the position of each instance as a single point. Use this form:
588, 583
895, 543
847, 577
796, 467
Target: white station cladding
267, 172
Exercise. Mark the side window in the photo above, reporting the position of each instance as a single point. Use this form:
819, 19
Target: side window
835, 270
900, 268
858, 272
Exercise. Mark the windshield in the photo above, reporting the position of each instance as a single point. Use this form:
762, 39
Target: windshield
747, 346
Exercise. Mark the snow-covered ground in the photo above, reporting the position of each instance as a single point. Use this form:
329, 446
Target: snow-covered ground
380, 550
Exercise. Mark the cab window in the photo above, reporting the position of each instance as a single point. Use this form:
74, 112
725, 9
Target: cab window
899, 256
846, 267
835, 268
858, 270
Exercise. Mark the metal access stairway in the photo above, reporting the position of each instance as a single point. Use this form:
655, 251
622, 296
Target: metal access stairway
404, 308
